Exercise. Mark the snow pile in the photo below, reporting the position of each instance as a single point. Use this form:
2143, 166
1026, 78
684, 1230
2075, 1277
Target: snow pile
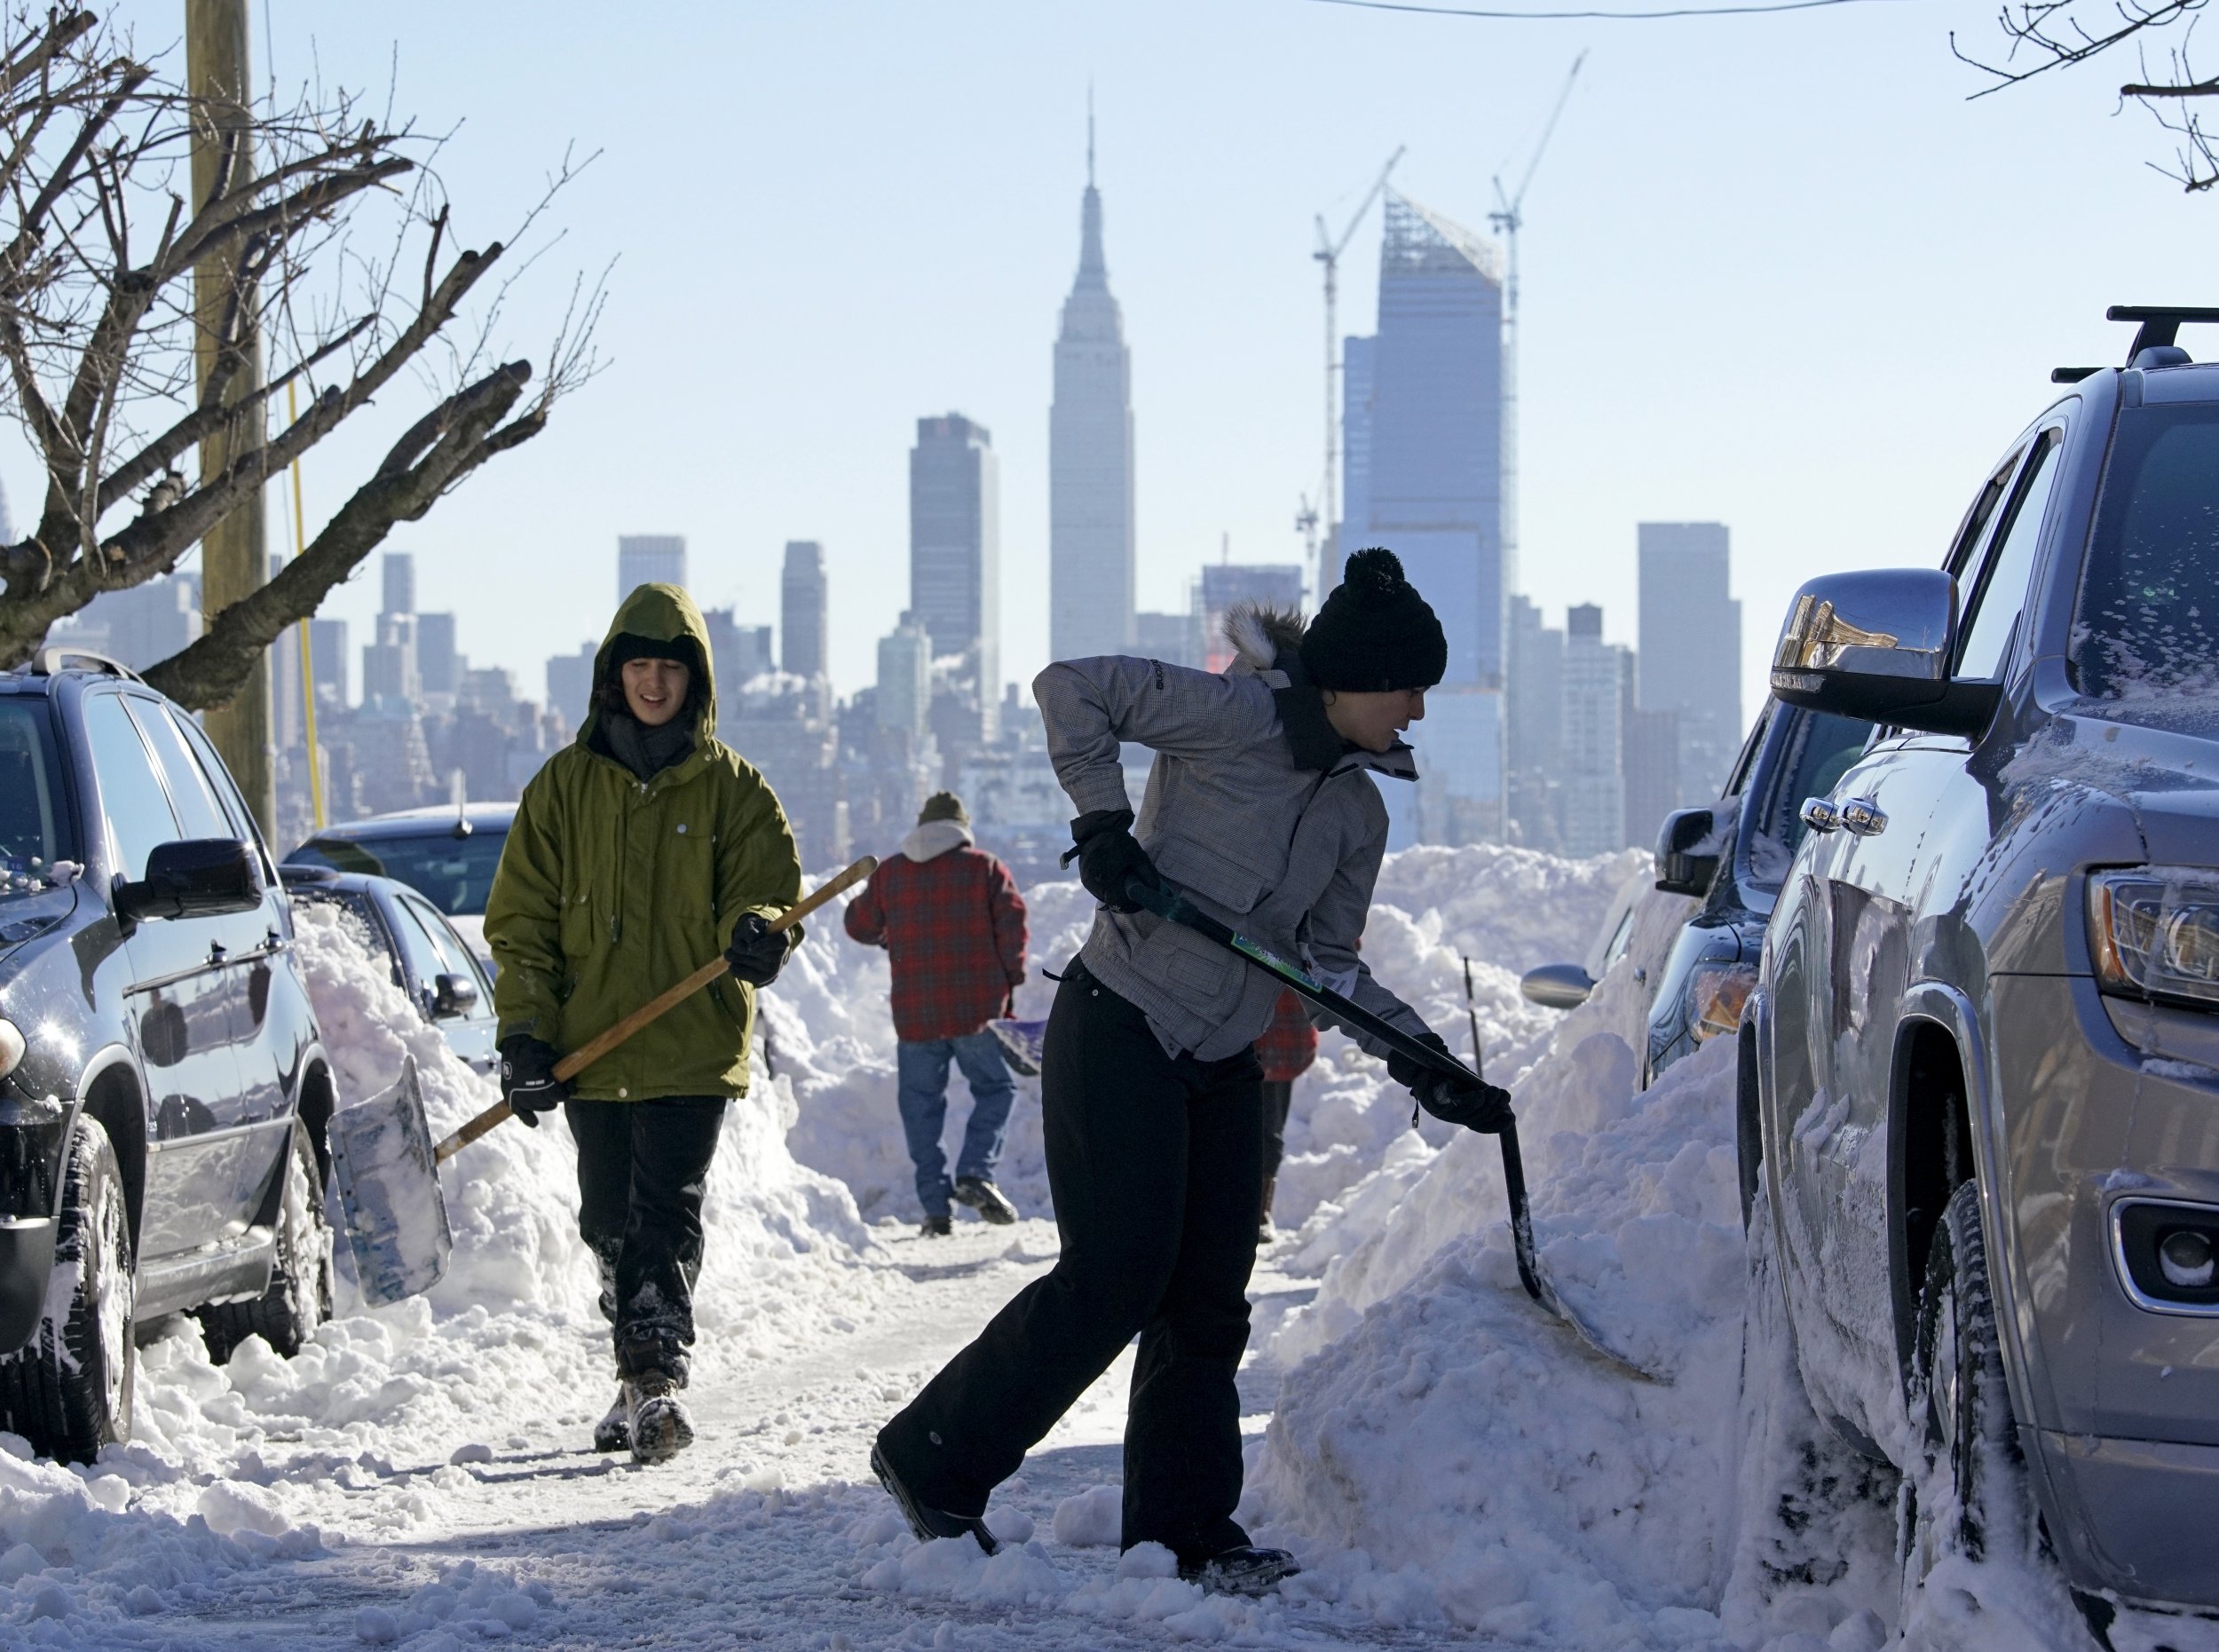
230, 1467
831, 1029
1446, 1451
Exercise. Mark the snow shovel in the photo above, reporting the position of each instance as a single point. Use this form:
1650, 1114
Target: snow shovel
1174, 907
389, 1170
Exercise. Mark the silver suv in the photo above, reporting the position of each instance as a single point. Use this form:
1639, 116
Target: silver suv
1980, 1071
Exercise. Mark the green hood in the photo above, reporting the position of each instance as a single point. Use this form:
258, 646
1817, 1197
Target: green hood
666, 613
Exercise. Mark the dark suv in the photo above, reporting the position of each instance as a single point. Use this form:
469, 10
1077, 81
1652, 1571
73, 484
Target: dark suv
1980, 1072
163, 1089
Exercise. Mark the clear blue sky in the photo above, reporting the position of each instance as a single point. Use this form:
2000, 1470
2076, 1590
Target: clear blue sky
1779, 272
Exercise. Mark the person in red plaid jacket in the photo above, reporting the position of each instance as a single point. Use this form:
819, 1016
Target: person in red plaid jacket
1287, 1048
950, 915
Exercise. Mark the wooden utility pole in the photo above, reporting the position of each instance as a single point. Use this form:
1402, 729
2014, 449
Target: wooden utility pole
233, 560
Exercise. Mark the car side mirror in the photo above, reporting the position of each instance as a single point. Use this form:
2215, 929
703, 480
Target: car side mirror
453, 995
1556, 986
1880, 645
194, 877
1687, 851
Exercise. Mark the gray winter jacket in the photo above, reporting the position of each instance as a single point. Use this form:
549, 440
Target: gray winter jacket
1285, 853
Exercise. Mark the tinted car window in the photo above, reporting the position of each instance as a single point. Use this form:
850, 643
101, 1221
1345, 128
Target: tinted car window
455, 957
1993, 607
2148, 621
1822, 749
199, 814
138, 808
34, 826
454, 873
424, 962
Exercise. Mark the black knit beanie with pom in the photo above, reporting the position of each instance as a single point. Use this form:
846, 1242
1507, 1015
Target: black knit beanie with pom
1375, 632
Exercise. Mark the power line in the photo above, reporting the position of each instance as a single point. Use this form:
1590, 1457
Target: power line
1598, 16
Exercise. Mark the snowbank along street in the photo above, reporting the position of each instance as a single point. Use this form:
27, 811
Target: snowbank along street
1448, 1462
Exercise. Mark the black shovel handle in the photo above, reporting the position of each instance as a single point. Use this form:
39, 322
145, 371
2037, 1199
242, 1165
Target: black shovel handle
1172, 906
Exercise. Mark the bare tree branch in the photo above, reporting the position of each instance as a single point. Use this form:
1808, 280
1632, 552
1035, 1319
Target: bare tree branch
102, 338
2045, 35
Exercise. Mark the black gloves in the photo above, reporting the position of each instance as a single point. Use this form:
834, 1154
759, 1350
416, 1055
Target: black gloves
1473, 1102
1108, 856
757, 952
528, 1083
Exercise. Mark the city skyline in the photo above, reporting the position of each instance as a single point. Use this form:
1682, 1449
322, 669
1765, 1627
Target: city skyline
1660, 327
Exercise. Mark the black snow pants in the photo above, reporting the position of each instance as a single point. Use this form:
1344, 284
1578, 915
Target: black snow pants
1278, 1102
1154, 1162
641, 1169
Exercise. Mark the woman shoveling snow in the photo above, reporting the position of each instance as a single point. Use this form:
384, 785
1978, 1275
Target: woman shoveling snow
1262, 807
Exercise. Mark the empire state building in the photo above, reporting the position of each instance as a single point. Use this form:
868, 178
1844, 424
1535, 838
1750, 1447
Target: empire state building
1090, 458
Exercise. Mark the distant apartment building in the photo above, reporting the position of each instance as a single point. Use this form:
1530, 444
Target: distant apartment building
1173, 638
1358, 358
1533, 703
139, 626
1593, 736
955, 549
1091, 559
439, 664
570, 684
737, 653
398, 578
804, 605
1221, 585
904, 683
1691, 648
649, 559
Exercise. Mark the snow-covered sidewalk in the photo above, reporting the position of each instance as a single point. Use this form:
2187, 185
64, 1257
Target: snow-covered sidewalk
768, 1532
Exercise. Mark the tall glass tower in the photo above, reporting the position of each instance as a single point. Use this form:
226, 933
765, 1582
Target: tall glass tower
955, 545
1432, 490
1090, 458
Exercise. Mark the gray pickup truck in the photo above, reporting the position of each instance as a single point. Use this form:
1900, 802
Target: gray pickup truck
1980, 1069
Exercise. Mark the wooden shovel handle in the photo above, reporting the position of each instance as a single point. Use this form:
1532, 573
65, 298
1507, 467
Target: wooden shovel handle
593, 1049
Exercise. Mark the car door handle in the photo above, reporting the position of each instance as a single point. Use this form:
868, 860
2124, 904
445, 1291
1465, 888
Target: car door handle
1861, 816
1820, 815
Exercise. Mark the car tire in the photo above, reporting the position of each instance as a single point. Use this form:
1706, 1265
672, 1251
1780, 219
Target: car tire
69, 1392
299, 1297
1967, 1493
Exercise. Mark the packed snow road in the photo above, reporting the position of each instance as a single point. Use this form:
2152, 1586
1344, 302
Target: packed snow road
761, 1534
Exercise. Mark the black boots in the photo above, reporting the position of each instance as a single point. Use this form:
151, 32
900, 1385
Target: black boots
987, 1199
1243, 1571
926, 1522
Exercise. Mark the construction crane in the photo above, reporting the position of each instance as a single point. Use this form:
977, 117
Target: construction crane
1508, 217
1328, 253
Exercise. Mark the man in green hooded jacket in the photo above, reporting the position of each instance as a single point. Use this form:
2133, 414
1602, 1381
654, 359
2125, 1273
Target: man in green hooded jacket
639, 851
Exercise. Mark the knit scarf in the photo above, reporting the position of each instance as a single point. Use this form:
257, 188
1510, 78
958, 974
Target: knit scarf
647, 752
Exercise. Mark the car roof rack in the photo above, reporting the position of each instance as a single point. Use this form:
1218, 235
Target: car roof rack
2158, 325
50, 660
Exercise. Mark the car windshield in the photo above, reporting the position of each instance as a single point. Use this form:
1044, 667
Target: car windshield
452, 872
2148, 621
1820, 749
35, 824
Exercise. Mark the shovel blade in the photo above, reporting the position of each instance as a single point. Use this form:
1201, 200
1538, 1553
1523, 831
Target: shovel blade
388, 1187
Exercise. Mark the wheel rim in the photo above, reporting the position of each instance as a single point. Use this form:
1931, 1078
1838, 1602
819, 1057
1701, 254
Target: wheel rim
111, 1296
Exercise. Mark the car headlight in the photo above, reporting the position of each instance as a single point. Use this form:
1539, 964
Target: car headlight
2154, 933
1717, 994
11, 1048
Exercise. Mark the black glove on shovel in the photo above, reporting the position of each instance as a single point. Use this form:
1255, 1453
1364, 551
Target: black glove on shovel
1108, 856
528, 1083
758, 952
1473, 1102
